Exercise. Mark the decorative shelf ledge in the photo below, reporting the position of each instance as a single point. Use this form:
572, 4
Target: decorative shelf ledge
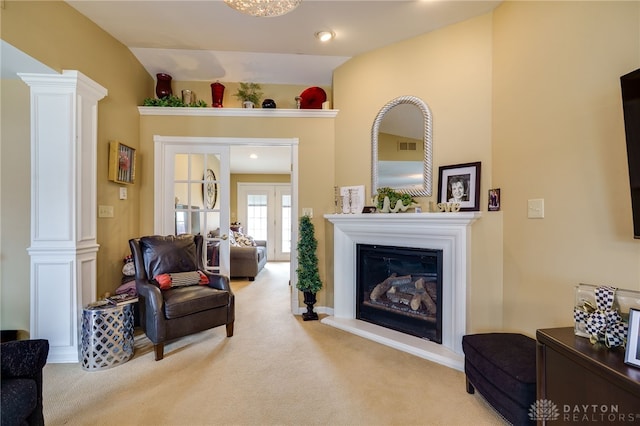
239, 112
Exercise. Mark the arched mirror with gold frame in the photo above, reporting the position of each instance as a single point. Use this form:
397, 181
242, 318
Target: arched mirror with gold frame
401, 147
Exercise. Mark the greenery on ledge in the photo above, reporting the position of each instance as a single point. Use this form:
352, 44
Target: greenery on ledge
173, 101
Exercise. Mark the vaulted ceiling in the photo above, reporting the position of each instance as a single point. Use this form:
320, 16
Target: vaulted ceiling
206, 40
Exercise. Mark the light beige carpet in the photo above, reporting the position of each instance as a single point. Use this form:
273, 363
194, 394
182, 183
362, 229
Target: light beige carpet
275, 370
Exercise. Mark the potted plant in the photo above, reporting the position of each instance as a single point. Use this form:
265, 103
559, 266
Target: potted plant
249, 94
308, 276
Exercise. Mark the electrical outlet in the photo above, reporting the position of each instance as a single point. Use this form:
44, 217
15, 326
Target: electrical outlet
105, 211
307, 211
123, 193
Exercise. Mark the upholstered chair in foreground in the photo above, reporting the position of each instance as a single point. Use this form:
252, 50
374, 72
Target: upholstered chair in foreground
22, 362
177, 296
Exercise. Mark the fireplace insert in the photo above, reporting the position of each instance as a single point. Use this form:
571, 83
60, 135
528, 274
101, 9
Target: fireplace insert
400, 288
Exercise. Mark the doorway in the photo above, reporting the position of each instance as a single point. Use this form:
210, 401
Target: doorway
265, 211
164, 204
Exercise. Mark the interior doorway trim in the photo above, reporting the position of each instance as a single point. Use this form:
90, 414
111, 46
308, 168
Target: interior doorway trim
230, 142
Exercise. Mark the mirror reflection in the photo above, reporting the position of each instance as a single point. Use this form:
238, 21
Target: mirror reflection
402, 147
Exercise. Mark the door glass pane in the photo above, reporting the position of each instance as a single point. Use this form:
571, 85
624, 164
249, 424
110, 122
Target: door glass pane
286, 223
197, 166
181, 167
257, 216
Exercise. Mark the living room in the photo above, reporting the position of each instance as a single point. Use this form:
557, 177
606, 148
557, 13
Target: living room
531, 90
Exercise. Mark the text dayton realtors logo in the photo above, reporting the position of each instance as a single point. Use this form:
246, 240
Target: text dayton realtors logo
544, 409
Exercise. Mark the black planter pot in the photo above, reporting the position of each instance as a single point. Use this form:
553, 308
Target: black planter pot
309, 300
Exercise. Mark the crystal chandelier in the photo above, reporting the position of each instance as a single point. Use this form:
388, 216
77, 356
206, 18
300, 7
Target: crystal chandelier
263, 8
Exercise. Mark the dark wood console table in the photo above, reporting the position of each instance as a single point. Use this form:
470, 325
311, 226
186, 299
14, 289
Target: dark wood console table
589, 384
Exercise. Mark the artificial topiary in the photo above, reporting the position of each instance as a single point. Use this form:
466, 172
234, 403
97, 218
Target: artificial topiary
308, 275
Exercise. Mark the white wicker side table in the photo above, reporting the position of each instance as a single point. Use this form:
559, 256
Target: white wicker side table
107, 336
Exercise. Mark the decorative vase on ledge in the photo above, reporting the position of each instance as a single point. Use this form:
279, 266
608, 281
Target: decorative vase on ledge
217, 93
163, 85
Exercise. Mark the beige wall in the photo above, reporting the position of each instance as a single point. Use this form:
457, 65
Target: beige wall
59, 37
15, 205
558, 135
315, 163
451, 71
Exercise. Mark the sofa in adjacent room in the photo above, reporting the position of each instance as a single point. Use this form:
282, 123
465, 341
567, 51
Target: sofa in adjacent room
247, 256
248, 261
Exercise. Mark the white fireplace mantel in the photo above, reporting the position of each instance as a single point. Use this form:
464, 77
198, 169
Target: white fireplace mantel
449, 232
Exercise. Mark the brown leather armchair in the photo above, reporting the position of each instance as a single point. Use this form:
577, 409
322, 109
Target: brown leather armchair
179, 311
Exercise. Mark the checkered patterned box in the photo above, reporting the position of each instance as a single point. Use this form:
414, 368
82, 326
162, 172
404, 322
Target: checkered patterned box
605, 308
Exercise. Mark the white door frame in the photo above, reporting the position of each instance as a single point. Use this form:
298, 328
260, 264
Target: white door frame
158, 215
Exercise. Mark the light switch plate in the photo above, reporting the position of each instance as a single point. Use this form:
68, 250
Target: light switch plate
123, 193
535, 209
105, 211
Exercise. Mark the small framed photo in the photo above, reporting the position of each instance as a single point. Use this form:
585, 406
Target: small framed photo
369, 209
460, 183
122, 163
632, 354
494, 199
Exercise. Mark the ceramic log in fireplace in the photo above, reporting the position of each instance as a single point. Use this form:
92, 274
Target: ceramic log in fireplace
400, 288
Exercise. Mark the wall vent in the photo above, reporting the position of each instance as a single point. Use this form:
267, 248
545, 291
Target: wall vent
407, 146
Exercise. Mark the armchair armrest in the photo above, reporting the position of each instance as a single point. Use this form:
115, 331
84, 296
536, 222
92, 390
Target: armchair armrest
261, 243
220, 282
151, 294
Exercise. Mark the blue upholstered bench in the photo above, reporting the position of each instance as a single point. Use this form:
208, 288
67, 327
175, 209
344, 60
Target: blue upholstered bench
502, 367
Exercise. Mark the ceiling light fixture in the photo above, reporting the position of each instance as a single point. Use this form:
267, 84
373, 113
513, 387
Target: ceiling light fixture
325, 36
263, 8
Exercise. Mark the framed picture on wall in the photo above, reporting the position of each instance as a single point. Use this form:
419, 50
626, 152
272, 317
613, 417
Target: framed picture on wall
122, 163
494, 199
460, 183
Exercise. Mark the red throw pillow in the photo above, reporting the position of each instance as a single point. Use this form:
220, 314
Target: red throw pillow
181, 279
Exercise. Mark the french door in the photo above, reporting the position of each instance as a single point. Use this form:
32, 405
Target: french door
195, 196
264, 209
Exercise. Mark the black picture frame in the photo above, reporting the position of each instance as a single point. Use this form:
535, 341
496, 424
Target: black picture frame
210, 189
369, 209
466, 175
632, 352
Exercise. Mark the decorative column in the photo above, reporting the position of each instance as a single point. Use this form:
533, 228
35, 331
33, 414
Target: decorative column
63, 250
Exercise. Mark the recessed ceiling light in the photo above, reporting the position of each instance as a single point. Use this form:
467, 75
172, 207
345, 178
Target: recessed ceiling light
325, 36
253, 156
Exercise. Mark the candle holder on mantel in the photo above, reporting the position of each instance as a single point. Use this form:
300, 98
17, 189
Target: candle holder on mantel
217, 93
337, 200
